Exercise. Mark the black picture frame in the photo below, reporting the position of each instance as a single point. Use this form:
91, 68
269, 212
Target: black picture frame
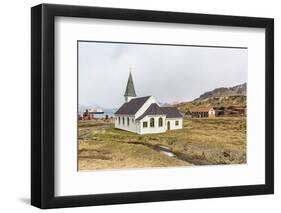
43, 102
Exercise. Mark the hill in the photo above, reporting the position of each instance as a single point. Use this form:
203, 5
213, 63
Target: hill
219, 97
239, 90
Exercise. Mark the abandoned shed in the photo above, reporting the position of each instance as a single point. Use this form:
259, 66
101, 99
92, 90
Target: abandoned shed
203, 112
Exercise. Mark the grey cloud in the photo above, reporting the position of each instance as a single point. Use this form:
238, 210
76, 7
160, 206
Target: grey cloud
170, 73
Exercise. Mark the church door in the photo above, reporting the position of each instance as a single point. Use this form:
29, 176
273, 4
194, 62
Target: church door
168, 124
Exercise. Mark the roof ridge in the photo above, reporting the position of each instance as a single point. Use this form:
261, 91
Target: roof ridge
140, 98
131, 107
153, 109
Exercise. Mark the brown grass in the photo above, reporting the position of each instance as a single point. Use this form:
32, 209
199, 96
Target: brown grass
216, 141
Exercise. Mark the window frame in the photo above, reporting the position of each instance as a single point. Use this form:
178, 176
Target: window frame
150, 122
160, 119
144, 122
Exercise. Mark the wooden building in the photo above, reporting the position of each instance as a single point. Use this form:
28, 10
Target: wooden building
87, 115
203, 112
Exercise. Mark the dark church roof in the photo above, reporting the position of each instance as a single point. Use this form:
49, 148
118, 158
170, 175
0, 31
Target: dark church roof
135, 104
153, 109
132, 106
171, 112
130, 89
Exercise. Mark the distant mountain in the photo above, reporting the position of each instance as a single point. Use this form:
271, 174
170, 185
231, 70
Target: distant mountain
239, 90
220, 97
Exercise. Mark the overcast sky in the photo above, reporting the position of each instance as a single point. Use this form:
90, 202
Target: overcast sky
169, 73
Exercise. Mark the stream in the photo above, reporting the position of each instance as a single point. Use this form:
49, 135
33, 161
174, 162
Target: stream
180, 156
184, 157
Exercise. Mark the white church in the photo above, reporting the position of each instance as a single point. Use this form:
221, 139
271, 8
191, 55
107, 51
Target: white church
144, 115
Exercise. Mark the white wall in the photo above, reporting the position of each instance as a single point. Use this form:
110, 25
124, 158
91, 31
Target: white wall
136, 126
156, 128
132, 127
128, 98
173, 123
144, 107
15, 93
212, 112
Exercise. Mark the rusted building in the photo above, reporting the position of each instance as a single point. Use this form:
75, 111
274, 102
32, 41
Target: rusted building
204, 112
87, 115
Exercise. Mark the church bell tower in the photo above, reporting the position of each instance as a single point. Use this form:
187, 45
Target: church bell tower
130, 89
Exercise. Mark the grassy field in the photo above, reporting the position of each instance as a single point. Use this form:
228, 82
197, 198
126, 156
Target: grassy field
201, 141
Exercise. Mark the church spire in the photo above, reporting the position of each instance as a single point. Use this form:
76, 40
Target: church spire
130, 89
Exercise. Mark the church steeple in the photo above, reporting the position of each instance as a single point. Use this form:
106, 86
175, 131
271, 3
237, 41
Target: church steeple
130, 89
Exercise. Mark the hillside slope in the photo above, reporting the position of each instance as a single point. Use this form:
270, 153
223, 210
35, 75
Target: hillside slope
220, 97
239, 90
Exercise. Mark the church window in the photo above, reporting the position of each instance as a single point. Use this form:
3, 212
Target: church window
177, 123
123, 121
160, 122
151, 122
144, 124
128, 121
119, 120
